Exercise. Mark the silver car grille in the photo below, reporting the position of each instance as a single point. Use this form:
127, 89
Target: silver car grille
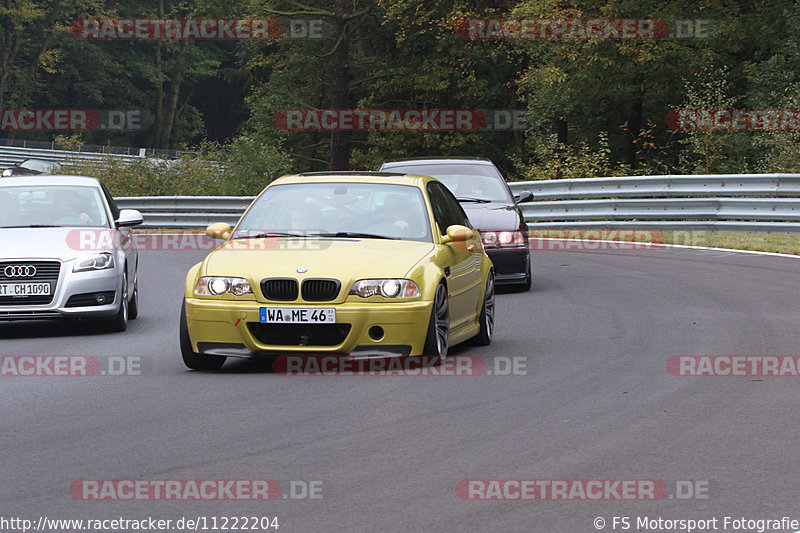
29, 272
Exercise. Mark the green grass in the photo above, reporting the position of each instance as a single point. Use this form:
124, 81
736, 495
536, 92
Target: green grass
762, 242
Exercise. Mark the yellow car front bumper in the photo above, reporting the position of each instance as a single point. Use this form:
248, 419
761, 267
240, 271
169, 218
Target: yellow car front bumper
233, 328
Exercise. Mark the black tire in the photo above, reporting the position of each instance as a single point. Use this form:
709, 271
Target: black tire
526, 285
438, 337
486, 318
192, 359
120, 321
133, 305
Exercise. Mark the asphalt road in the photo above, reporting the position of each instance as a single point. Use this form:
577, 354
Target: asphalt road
595, 403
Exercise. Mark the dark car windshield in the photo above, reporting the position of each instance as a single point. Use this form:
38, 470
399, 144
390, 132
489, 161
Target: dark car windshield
464, 180
336, 209
51, 205
39, 165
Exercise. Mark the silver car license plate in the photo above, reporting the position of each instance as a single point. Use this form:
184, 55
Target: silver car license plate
24, 289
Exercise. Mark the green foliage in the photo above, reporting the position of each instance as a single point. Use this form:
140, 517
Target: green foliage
595, 107
242, 168
581, 161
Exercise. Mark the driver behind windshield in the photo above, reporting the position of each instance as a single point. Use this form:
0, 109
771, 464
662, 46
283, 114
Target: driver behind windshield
69, 207
9, 209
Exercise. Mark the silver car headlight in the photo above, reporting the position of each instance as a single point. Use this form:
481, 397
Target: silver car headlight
101, 261
389, 288
217, 286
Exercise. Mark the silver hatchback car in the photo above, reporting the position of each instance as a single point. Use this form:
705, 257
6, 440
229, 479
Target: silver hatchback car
66, 251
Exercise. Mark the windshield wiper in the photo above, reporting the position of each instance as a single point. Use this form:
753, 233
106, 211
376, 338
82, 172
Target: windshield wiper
355, 235
476, 200
33, 226
268, 235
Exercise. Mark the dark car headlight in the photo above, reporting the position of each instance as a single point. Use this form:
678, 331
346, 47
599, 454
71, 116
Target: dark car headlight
504, 239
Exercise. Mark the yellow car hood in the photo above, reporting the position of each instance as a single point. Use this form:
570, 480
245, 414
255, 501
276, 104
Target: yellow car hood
343, 259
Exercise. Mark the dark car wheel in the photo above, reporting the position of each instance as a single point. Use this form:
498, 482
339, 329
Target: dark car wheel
192, 359
438, 337
526, 285
484, 336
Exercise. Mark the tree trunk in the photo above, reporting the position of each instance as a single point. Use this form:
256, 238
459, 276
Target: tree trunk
340, 140
561, 130
174, 93
30, 74
158, 127
7, 55
635, 128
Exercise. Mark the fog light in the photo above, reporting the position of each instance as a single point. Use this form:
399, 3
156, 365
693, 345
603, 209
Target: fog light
376, 333
101, 298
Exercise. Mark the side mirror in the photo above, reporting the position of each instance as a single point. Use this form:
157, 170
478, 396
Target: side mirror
129, 217
458, 234
522, 197
220, 230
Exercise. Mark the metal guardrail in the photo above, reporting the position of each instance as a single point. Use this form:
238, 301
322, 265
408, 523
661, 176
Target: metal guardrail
747, 203
186, 211
716, 202
11, 155
669, 186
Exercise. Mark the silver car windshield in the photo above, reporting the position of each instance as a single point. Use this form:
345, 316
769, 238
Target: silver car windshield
365, 210
51, 206
481, 182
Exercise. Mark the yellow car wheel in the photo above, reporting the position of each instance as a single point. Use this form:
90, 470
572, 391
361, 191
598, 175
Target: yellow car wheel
484, 336
437, 341
192, 359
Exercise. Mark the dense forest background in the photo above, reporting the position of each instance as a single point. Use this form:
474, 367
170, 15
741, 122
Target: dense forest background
593, 107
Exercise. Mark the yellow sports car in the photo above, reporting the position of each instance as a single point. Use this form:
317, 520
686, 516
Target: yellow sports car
358, 264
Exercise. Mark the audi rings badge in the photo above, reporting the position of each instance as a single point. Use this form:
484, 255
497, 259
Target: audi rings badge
19, 271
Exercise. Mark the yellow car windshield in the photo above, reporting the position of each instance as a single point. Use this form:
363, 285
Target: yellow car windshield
338, 209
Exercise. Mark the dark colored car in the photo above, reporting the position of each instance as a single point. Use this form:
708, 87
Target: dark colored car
32, 167
491, 206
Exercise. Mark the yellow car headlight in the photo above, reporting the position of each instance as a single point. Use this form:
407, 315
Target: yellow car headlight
388, 288
216, 286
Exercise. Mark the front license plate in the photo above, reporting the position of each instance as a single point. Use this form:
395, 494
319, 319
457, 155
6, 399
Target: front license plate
24, 289
298, 315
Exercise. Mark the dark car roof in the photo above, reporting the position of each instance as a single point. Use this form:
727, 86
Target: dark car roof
437, 160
